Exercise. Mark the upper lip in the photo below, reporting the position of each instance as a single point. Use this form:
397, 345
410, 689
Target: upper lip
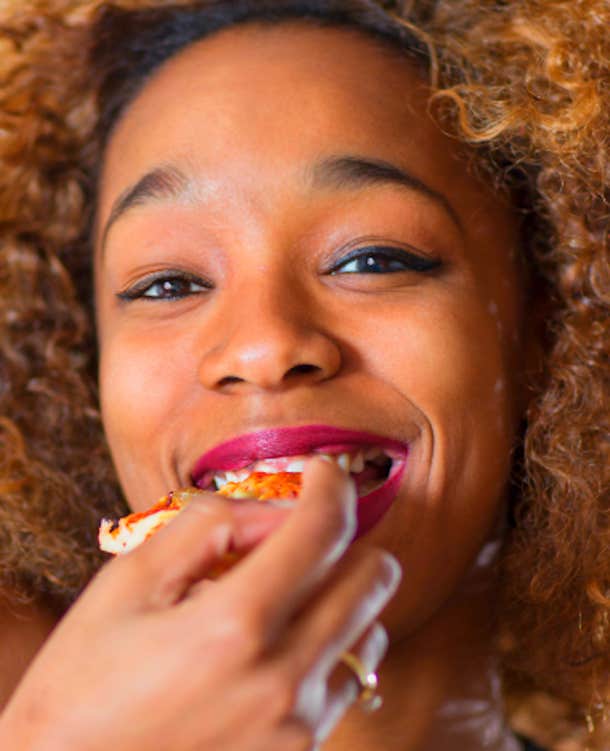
243, 450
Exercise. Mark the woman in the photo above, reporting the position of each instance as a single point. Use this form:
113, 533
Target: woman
315, 227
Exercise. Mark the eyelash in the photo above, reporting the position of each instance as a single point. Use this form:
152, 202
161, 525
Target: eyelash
406, 261
140, 289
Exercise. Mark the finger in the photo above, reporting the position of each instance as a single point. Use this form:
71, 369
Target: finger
344, 688
160, 571
351, 600
276, 577
291, 736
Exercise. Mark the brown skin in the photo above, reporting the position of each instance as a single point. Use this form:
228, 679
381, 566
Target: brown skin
432, 359
118, 670
423, 359
24, 629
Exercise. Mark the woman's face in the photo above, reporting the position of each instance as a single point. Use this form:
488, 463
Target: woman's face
304, 247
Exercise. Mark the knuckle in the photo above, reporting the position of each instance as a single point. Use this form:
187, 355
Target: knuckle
281, 690
240, 630
138, 571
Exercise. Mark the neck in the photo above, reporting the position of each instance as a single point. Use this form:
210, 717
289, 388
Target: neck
440, 686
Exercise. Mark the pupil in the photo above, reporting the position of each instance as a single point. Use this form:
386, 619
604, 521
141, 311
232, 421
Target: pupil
372, 263
173, 287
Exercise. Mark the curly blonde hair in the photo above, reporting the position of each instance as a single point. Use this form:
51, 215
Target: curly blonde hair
526, 84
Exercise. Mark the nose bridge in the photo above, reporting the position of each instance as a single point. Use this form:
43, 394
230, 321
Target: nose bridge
275, 296
270, 319
267, 336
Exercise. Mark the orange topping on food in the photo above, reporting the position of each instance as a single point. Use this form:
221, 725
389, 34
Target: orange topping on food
127, 533
265, 487
169, 502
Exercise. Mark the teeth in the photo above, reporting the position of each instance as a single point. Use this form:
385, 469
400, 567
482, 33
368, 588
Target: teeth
236, 476
357, 463
220, 481
353, 463
222, 478
343, 460
295, 466
268, 467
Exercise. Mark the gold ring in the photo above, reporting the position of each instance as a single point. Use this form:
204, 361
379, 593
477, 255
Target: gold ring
368, 697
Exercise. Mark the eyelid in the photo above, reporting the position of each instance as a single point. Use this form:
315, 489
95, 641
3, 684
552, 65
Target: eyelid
136, 290
418, 260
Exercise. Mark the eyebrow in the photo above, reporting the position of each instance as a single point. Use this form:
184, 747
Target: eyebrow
165, 182
355, 172
168, 182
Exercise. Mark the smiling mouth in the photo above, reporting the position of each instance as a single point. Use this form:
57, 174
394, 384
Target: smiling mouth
369, 467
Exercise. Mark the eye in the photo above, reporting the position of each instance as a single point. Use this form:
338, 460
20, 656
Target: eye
383, 260
165, 286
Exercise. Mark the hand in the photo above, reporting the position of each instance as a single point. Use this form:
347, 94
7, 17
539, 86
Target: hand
155, 657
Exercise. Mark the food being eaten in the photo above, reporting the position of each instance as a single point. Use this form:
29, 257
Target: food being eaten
264, 486
376, 472
127, 533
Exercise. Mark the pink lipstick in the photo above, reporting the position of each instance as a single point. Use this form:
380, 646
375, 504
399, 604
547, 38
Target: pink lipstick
377, 462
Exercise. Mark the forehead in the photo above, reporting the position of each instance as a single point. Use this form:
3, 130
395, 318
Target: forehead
249, 112
249, 64
277, 95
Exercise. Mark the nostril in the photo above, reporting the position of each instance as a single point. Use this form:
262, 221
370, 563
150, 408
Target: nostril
304, 369
227, 380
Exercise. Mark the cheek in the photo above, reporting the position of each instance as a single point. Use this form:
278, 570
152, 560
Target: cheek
142, 380
449, 358
449, 362
454, 373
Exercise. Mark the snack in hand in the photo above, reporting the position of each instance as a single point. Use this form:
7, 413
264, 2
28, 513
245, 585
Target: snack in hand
127, 533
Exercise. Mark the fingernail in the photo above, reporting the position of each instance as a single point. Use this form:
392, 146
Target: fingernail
394, 573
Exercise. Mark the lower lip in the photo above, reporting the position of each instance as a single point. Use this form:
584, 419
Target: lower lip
373, 506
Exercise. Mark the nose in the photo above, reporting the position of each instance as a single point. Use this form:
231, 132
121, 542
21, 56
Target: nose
267, 339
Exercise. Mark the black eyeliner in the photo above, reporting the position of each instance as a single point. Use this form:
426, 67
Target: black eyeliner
413, 261
136, 291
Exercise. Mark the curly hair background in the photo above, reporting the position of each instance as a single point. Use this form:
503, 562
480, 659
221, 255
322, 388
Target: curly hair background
526, 83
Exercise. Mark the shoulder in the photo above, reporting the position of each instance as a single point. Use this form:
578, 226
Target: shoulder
23, 630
